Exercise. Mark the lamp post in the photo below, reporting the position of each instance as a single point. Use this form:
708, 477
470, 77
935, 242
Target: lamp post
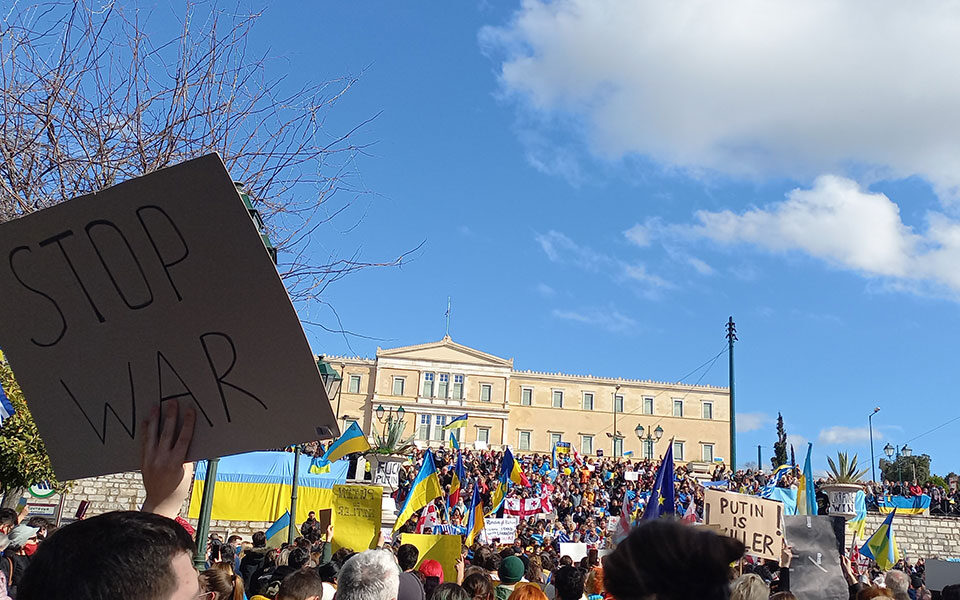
616, 434
873, 461
385, 417
652, 437
906, 451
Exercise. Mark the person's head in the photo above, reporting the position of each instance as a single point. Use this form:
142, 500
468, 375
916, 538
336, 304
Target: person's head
302, 585
951, 592
369, 575
593, 584
8, 519
633, 572
511, 570
569, 583
897, 582
235, 540
228, 553
341, 556
749, 587
407, 557
479, 586
311, 515
298, 557
916, 582
432, 568
328, 572
566, 561
124, 554
783, 596
876, 591
223, 584
259, 539
22, 536
449, 591
528, 592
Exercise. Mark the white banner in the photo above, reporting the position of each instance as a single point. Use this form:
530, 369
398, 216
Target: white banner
527, 507
504, 530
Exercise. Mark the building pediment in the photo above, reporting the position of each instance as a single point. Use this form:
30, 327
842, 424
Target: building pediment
445, 351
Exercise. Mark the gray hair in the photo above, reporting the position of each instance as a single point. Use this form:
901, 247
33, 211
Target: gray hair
749, 587
897, 582
4, 542
370, 575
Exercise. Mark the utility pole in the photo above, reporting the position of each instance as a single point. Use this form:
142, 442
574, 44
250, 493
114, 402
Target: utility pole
759, 461
731, 338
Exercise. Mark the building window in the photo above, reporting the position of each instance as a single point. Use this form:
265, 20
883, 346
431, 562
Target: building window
647, 405
443, 385
555, 438
587, 401
458, 387
648, 449
586, 444
526, 397
428, 385
708, 410
398, 385
354, 384
706, 452
617, 446
617, 403
486, 390
678, 408
483, 434
524, 441
678, 451
424, 433
438, 422
557, 398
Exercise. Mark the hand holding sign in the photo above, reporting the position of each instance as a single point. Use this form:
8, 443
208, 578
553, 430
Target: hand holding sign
165, 476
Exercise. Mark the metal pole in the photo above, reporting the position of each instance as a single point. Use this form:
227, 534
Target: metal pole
206, 508
873, 461
759, 461
614, 449
292, 529
731, 338
343, 368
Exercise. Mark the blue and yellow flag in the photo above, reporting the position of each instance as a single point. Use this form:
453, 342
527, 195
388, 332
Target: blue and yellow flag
510, 471
351, 441
475, 520
662, 499
454, 442
775, 478
858, 524
277, 533
806, 495
882, 545
425, 488
459, 476
456, 423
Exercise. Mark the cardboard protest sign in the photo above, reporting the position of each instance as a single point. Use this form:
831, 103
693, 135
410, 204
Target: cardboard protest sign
575, 550
815, 571
941, 573
754, 521
388, 473
155, 289
444, 549
356, 516
502, 530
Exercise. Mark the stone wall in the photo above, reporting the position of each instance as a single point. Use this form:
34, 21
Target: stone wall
919, 536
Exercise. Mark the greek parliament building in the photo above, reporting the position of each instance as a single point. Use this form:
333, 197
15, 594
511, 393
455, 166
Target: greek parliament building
528, 410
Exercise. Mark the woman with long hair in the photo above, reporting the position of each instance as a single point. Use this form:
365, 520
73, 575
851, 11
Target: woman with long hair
221, 584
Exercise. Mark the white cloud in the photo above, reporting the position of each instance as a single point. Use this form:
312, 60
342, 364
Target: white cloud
848, 227
744, 87
753, 421
611, 320
839, 434
545, 290
799, 444
700, 266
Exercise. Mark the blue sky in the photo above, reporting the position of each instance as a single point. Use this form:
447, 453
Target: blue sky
600, 184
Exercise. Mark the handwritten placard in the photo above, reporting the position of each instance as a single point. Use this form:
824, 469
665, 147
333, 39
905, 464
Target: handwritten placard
154, 289
756, 522
503, 531
356, 516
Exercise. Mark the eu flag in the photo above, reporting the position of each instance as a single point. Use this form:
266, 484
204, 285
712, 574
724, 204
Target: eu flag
662, 499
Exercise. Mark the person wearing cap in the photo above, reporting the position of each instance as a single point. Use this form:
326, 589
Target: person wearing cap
511, 573
15, 558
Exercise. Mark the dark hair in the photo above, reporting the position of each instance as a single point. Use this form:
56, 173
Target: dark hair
450, 591
260, 539
951, 592
430, 584
298, 557
407, 556
227, 553
9, 517
566, 561
632, 571
341, 556
300, 585
233, 538
328, 572
493, 562
223, 582
569, 583
124, 554
479, 586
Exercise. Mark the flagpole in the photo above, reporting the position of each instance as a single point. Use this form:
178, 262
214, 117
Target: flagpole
206, 508
292, 529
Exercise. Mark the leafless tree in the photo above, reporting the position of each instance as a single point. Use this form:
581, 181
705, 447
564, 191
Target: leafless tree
89, 98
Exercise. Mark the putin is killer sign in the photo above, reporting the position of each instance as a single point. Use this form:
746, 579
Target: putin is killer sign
156, 289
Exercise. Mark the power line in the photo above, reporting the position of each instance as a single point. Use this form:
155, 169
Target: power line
932, 430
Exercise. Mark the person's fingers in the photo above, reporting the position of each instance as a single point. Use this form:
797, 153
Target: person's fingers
186, 434
148, 436
169, 424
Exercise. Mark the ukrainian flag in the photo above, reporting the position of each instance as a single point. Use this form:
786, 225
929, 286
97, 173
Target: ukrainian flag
509, 471
351, 441
475, 520
426, 487
806, 495
459, 476
858, 524
775, 478
456, 423
882, 545
277, 534
454, 443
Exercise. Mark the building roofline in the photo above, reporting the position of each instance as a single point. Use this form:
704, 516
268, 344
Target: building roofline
620, 380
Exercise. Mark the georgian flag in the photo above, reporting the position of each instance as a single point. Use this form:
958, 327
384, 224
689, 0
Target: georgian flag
429, 518
527, 507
